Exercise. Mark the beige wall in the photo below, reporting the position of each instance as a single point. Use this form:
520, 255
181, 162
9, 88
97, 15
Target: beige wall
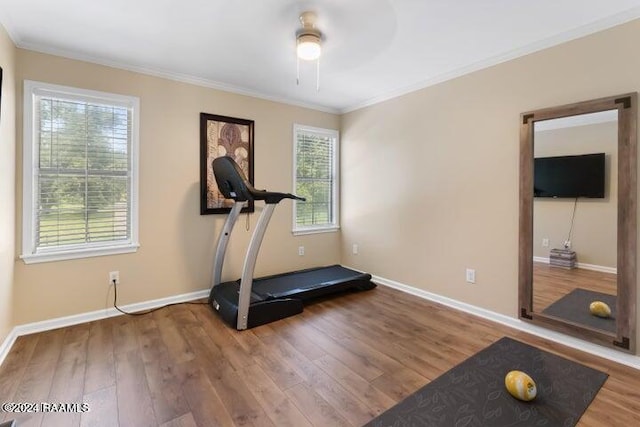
7, 181
594, 235
430, 179
177, 243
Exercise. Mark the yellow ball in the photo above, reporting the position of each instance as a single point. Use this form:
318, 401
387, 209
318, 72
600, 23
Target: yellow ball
600, 309
520, 385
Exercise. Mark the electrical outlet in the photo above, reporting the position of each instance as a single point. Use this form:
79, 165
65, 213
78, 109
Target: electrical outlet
114, 276
355, 249
301, 250
471, 275
545, 242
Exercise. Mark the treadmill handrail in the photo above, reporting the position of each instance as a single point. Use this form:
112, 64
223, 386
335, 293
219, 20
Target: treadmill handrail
248, 269
233, 184
223, 240
271, 197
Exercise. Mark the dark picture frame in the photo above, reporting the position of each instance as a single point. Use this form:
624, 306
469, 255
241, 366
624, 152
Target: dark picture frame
220, 136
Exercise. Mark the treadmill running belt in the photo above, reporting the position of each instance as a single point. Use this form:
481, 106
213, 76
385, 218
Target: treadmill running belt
297, 283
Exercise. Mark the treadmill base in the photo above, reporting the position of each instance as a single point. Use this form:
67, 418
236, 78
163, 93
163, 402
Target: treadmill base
260, 313
280, 296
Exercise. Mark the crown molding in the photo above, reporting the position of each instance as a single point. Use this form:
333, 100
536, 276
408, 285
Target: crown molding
7, 24
582, 31
576, 33
169, 75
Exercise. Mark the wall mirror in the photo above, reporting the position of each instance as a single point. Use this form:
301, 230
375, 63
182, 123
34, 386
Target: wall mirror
577, 255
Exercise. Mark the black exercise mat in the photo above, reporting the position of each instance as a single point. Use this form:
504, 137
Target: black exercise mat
574, 307
473, 392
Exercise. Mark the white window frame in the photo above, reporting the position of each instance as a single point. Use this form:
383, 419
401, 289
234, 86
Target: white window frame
31, 254
335, 225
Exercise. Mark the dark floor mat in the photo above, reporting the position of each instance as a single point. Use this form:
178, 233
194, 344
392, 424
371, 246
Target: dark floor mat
473, 392
574, 307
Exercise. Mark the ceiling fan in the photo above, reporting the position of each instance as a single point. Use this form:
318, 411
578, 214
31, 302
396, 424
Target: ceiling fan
308, 44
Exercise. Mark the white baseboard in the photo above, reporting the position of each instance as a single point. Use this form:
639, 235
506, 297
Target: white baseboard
613, 355
593, 267
7, 344
60, 322
600, 268
598, 350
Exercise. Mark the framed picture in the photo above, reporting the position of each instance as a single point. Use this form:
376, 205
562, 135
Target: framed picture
223, 136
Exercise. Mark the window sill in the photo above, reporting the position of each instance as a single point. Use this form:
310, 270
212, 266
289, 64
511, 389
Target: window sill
303, 231
78, 253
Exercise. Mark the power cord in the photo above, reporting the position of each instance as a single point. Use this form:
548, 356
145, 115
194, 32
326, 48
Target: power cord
142, 313
567, 243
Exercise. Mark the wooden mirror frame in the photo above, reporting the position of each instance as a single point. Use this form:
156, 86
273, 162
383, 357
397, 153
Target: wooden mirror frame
625, 336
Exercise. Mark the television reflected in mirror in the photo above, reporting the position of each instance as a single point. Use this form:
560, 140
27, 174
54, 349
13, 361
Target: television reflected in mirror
578, 219
580, 175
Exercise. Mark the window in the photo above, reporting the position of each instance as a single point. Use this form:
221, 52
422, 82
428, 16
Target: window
80, 173
316, 179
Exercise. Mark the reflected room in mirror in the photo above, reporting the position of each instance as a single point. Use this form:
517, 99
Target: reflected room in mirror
577, 220
575, 217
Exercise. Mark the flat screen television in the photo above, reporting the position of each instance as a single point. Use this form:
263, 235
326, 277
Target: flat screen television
569, 176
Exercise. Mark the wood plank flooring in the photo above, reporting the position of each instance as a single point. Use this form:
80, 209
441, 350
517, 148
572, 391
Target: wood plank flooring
552, 283
340, 363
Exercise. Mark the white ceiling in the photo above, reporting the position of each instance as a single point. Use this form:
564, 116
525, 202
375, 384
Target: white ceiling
372, 49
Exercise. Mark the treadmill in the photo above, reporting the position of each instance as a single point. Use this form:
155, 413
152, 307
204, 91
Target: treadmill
250, 302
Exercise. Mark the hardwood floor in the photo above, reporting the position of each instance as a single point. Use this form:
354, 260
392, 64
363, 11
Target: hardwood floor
340, 363
552, 283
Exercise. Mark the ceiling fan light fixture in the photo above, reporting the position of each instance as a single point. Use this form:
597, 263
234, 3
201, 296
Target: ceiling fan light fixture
308, 44
309, 47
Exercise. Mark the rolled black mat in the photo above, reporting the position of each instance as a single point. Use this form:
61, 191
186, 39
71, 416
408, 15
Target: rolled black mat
473, 393
574, 307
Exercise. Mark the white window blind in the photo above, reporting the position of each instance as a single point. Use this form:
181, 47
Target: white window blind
315, 178
83, 177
